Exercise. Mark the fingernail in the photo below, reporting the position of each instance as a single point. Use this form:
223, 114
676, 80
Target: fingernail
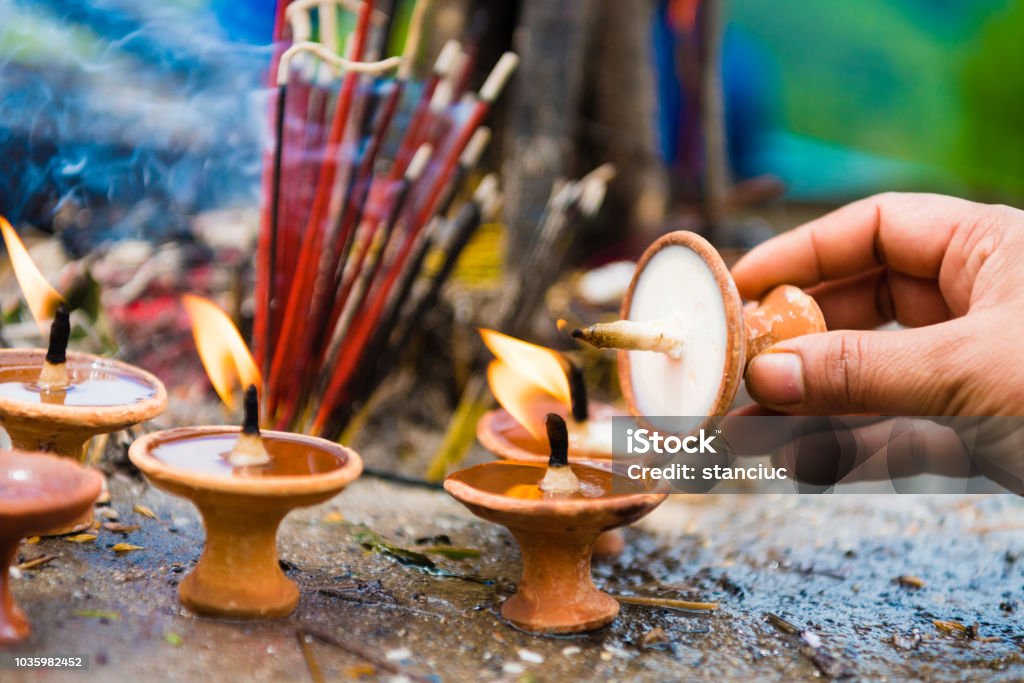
776, 378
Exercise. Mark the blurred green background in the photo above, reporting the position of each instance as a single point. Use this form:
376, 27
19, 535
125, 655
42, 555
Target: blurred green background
841, 99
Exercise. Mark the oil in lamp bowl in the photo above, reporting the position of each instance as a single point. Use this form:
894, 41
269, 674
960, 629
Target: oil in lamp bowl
238, 575
105, 396
37, 492
556, 536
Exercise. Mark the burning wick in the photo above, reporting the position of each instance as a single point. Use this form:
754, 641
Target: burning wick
54, 375
249, 450
584, 435
559, 479
662, 336
577, 393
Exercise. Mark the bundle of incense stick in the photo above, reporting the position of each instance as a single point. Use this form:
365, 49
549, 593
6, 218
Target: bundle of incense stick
569, 207
364, 179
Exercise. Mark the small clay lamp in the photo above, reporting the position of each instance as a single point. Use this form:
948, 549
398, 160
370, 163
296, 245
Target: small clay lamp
243, 482
556, 512
529, 382
685, 337
56, 400
37, 492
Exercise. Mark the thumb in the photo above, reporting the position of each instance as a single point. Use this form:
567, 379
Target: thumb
898, 372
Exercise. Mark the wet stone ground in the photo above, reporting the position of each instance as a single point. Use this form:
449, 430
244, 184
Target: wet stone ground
808, 589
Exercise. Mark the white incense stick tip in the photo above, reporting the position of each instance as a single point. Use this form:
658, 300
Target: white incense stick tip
458, 69
442, 97
488, 197
603, 172
487, 187
592, 197
475, 147
499, 76
491, 209
418, 162
593, 188
447, 56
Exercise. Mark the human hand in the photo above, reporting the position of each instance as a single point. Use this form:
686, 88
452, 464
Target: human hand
950, 270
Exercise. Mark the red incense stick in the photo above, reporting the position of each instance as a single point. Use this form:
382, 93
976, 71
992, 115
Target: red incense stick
410, 141
312, 241
488, 94
364, 323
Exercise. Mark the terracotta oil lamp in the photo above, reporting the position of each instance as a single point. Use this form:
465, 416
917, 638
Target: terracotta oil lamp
55, 400
685, 337
529, 382
37, 492
243, 482
556, 513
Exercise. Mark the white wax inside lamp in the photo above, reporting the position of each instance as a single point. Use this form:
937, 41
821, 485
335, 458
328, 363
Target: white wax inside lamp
676, 335
677, 284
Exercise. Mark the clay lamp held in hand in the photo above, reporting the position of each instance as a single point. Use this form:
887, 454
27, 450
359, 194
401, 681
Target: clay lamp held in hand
685, 337
244, 482
37, 492
556, 512
56, 400
530, 381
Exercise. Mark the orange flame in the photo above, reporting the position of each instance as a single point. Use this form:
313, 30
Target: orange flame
222, 350
522, 373
42, 299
